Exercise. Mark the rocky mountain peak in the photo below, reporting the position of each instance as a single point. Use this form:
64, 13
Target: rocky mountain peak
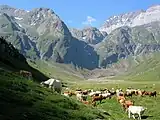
132, 19
90, 35
118, 21
12, 11
45, 12
153, 8
6, 7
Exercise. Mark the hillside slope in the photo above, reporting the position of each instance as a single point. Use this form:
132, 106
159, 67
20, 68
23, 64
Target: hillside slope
21, 99
140, 68
12, 60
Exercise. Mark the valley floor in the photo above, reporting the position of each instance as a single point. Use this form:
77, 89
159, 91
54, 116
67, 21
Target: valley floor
114, 108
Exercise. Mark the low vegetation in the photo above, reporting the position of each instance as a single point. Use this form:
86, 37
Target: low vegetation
21, 99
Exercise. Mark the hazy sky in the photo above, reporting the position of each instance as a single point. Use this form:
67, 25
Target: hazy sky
79, 13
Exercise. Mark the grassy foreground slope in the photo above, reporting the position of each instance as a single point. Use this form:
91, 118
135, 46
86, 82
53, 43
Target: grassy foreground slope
21, 99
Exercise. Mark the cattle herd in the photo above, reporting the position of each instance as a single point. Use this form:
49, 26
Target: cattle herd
123, 98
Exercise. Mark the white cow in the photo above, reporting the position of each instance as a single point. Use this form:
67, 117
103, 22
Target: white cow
136, 110
53, 84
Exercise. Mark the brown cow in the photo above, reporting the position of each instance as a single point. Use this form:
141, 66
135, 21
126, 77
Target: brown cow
141, 92
67, 93
120, 98
97, 98
127, 103
26, 74
154, 94
86, 102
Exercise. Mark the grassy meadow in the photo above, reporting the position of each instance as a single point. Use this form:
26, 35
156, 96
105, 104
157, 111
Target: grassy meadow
114, 108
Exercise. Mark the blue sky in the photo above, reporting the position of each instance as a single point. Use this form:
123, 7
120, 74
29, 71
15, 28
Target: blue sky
79, 13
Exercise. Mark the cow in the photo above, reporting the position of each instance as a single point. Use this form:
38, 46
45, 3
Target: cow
97, 98
53, 84
126, 104
106, 95
68, 94
136, 110
128, 94
154, 93
120, 98
81, 97
26, 74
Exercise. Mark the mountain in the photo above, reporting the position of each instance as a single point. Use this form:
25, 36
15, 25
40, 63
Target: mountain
126, 41
132, 19
90, 35
41, 34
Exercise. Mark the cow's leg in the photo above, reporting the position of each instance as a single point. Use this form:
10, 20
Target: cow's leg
133, 116
129, 114
50, 86
139, 115
126, 110
100, 101
58, 90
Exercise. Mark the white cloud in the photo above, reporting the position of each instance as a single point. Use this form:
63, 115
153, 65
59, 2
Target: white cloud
89, 20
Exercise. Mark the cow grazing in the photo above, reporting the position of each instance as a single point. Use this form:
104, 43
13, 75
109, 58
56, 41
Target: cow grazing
136, 110
106, 95
154, 94
53, 84
85, 92
68, 94
127, 94
120, 98
127, 103
86, 102
141, 92
26, 74
81, 97
122, 102
97, 98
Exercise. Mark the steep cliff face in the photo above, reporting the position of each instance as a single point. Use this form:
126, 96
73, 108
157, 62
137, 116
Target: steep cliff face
90, 35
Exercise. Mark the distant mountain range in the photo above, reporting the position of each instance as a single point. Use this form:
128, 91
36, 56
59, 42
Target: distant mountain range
132, 19
41, 34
